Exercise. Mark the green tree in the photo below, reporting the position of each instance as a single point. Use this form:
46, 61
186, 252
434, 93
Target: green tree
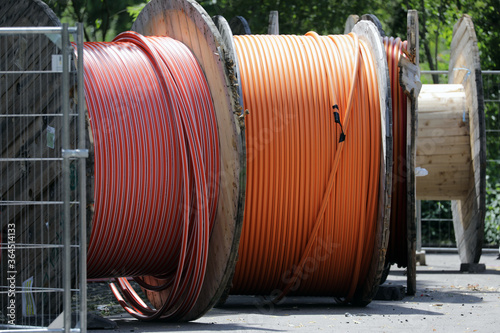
103, 19
296, 17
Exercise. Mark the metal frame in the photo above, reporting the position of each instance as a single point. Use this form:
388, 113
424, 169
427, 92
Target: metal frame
60, 37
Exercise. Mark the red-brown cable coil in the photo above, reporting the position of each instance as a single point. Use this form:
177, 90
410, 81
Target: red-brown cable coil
397, 251
156, 168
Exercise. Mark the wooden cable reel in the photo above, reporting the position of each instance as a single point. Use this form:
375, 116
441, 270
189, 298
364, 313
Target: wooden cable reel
187, 21
450, 142
367, 289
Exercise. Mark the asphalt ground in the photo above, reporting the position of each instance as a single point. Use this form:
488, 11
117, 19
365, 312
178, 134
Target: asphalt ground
446, 301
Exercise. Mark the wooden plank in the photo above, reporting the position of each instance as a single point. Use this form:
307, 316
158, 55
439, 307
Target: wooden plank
442, 100
239, 26
444, 177
446, 167
274, 26
13, 128
442, 149
438, 89
39, 59
468, 213
443, 123
438, 132
454, 191
349, 23
444, 159
444, 114
411, 144
445, 140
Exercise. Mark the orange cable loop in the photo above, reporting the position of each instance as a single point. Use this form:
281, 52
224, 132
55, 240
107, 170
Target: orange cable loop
156, 169
311, 202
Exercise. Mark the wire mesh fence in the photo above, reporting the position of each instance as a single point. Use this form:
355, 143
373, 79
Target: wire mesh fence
41, 188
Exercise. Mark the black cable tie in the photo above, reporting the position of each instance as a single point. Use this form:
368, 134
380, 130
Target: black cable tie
336, 115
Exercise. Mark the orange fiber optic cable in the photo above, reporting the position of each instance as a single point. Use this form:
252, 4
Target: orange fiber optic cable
312, 176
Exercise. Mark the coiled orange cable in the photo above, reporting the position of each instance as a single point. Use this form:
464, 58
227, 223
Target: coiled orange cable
397, 249
311, 202
156, 168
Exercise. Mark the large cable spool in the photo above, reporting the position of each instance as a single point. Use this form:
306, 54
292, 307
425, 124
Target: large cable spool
447, 138
450, 142
453, 148
367, 285
187, 22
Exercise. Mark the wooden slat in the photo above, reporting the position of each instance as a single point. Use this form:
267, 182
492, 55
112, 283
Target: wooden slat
367, 287
432, 191
445, 140
349, 23
444, 114
439, 89
444, 159
433, 148
441, 101
446, 167
444, 177
469, 213
424, 132
444, 123
411, 145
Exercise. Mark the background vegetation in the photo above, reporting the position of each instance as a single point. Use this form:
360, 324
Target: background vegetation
104, 19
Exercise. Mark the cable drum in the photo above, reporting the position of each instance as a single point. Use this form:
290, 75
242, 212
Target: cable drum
156, 162
312, 207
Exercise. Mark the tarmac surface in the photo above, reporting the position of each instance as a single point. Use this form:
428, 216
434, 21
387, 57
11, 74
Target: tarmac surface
446, 301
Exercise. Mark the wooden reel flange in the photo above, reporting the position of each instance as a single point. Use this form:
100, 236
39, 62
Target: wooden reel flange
369, 33
446, 136
412, 83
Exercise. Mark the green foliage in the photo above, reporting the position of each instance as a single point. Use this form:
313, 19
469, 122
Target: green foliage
296, 17
437, 224
492, 221
135, 10
102, 19
436, 209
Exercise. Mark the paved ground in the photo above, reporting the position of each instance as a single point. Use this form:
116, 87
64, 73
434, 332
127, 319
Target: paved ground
446, 301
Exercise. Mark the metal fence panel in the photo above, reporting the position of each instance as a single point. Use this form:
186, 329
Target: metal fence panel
41, 188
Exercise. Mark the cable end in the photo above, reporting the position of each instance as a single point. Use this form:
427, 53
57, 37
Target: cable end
336, 115
342, 137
